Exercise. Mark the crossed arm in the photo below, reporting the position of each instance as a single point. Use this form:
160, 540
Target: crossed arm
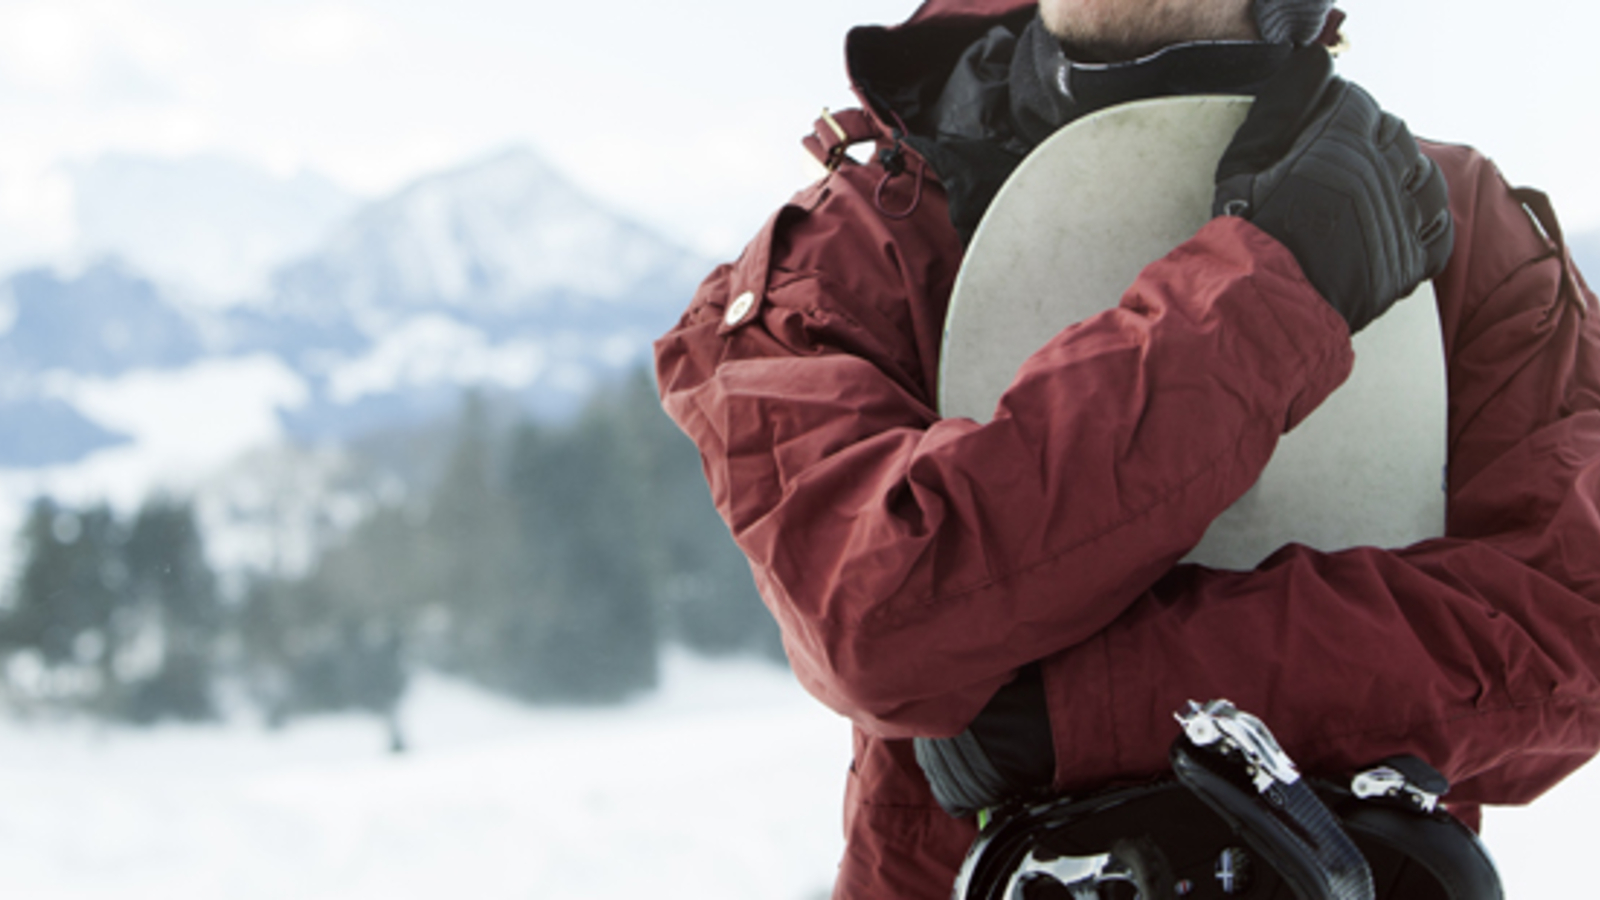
915, 563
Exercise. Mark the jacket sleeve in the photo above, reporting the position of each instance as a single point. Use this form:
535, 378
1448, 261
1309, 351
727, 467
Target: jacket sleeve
914, 562
1478, 651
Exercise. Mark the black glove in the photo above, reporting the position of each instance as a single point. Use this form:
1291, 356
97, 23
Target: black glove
1341, 183
1007, 752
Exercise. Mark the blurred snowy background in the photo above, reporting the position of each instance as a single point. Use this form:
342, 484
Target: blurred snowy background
322, 400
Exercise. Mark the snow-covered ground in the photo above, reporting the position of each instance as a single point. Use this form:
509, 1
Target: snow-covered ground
725, 785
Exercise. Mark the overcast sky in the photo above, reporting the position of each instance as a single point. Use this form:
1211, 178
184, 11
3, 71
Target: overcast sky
683, 114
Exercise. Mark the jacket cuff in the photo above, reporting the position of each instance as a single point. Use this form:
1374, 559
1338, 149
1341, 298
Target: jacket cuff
1309, 325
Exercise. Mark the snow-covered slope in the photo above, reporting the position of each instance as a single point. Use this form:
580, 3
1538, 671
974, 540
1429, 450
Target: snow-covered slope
726, 785
56, 332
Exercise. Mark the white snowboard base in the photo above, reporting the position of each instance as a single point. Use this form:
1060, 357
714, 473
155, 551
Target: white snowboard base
1067, 235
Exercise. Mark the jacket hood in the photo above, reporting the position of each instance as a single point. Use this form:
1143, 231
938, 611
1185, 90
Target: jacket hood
898, 70
972, 88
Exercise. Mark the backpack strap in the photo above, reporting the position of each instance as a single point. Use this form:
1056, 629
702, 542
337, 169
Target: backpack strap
834, 133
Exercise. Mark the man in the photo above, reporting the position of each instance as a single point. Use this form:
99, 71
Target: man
996, 589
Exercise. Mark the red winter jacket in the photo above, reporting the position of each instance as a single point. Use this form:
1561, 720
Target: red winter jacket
915, 563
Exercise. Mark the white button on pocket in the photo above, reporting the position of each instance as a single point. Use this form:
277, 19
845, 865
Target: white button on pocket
739, 308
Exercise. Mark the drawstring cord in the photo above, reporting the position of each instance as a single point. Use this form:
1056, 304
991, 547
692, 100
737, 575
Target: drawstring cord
893, 160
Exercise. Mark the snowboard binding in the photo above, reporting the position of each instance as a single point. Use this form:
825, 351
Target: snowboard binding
1236, 821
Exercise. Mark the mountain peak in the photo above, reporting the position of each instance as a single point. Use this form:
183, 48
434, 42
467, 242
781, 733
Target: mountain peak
505, 233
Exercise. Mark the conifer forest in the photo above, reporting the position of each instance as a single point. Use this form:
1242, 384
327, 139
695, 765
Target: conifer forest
546, 561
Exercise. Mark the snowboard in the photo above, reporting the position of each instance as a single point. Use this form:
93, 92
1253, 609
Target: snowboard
1068, 233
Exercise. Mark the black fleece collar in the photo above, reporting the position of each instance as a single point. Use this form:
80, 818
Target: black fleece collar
1049, 90
1009, 91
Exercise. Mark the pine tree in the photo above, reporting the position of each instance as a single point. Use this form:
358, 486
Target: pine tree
265, 625
368, 588
172, 606
65, 597
466, 553
590, 631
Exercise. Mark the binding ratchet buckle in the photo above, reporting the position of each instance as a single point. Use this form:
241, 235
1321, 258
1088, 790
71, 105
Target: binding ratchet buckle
1388, 782
1220, 726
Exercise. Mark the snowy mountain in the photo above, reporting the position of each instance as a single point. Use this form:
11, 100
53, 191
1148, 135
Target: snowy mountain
505, 237
498, 274
43, 430
102, 323
105, 320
